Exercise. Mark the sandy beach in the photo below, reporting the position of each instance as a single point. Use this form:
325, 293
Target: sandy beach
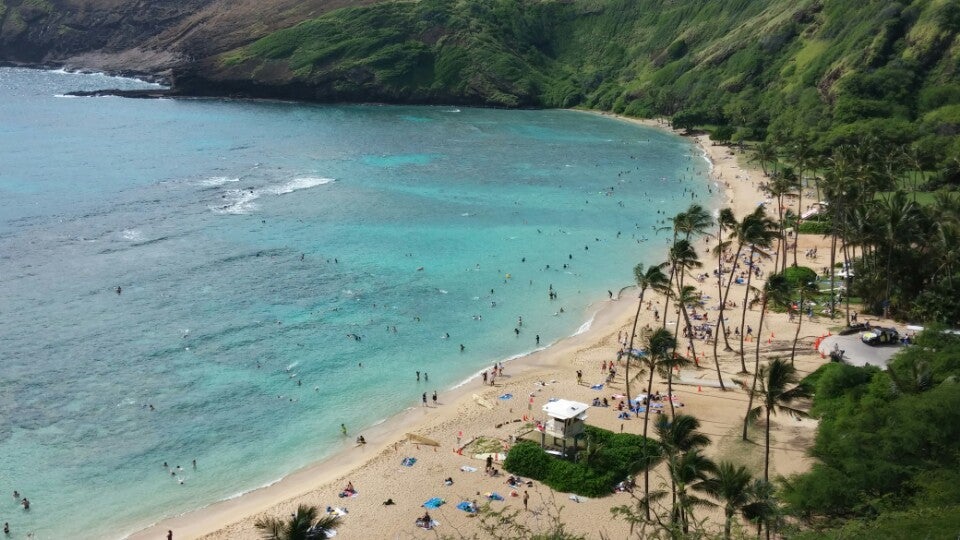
475, 410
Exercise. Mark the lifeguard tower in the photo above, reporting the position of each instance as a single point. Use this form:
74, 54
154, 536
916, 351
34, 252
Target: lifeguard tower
566, 422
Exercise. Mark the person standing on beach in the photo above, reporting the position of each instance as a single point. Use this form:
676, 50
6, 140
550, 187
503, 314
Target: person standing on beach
526, 497
169, 534
424, 399
579, 377
434, 398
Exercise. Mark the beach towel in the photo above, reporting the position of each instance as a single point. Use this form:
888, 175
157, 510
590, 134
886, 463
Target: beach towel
467, 506
551, 400
428, 526
467, 468
598, 386
433, 503
494, 496
348, 494
408, 461
506, 396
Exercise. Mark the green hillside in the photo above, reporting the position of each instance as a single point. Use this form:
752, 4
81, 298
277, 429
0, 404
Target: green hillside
831, 69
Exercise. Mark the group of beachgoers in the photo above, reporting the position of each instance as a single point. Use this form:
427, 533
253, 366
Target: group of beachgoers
22, 501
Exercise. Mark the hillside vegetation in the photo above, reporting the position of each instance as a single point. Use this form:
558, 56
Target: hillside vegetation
831, 69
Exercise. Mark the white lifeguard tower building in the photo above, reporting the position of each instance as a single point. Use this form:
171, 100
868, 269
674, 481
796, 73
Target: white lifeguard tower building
566, 422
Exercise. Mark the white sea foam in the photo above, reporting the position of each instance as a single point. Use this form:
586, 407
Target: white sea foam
132, 235
214, 181
585, 326
297, 184
241, 201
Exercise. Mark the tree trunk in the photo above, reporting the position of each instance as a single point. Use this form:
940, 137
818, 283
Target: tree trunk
796, 225
833, 281
726, 294
720, 325
766, 455
796, 337
633, 333
756, 369
743, 316
686, 320
646, 422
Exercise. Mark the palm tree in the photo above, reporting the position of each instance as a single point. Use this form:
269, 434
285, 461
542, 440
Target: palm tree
763, 507
776, 397
683, 257
731, 486
726, 221
764, 153
801, 155
780, 185
804, 289
689, 472
652, 277
679, 436
692, 222
775, 290
303, 525
659, 345
759, 232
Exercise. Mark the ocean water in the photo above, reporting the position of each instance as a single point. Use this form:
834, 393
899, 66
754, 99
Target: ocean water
264, 251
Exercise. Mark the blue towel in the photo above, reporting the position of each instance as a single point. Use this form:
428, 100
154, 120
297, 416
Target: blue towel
433, 503
506, 396
408, 461
495, 496
597, 387
466, 506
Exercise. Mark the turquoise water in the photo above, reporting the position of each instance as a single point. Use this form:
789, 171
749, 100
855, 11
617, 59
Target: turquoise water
250, 241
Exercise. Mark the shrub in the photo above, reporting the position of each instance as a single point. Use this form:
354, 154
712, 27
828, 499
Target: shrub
617, 455
797, 275
528, 459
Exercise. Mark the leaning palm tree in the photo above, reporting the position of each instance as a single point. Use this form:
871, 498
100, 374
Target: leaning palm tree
649, 278
302, 525
775, 396
683, 257
805, 290
731, 486
759, 232
689, 295
726, 221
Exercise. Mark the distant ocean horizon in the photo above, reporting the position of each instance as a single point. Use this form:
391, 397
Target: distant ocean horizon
201, 279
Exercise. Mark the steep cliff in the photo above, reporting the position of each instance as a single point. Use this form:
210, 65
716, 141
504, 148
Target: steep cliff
147, 36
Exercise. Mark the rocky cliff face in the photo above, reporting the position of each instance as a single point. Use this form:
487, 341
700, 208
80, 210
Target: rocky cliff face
145, 36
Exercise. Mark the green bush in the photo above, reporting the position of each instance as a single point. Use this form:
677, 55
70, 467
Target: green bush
797, 275
615, 455
528, 459
815, 227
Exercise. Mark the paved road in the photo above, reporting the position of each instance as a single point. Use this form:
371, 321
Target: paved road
858, 353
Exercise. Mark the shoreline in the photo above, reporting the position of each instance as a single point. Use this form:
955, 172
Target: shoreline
380, 437
605, 318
